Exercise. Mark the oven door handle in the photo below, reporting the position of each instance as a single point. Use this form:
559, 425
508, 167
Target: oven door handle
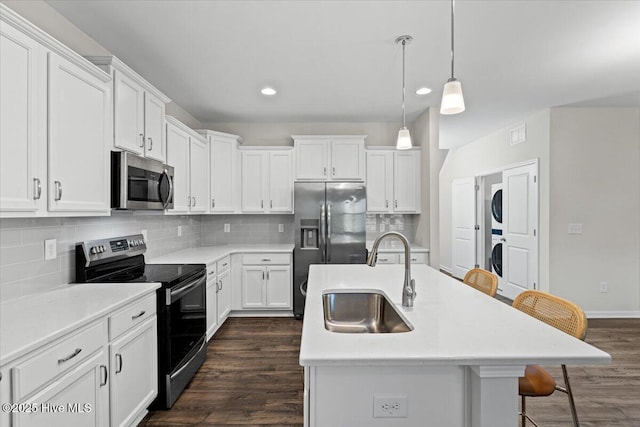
176, 293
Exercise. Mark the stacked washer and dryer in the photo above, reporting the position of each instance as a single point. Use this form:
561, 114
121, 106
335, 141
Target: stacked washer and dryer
496, 230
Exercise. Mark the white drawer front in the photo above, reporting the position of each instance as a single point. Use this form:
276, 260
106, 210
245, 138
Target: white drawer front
416, 258
266, 259
56, 359
224, 264
212, 270
388, 258
131, 315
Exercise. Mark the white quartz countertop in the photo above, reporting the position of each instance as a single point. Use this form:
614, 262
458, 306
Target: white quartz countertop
454, 324
29, 322
209, 254
394, 245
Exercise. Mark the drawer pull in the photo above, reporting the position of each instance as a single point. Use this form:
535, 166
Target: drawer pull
103, 368
71, 356
212, 272
138, 315
266, 259
225, 264
118, 363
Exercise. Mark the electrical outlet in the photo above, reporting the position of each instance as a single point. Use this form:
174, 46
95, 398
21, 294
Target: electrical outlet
227, 228
390, 406
604, 287
50, 249
179, 230
280, 228
144, 235
575, 229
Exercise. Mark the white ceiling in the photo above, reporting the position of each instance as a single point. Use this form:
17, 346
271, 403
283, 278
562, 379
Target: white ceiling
336, 60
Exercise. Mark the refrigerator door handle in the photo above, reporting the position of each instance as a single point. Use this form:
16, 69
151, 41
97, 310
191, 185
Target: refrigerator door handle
328, 232
322, 232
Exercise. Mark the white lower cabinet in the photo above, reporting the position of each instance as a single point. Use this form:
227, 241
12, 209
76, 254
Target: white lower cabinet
212, 301
224, 295
266, 281
134, 373
103, 374
78, 398
218, 294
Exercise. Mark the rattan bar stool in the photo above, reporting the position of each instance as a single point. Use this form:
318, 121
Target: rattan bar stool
482, 280
563, 315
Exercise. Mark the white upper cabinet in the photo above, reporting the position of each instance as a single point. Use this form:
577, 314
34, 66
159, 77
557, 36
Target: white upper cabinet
224, 184
55, 126
138, 108
79, 131
267, 186
393, 181
329, 157
22, 131
188, 153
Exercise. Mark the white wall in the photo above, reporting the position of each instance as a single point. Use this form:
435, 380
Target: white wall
595, 175
490, 154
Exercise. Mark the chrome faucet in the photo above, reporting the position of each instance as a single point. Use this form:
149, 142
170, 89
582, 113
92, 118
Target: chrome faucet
409, 285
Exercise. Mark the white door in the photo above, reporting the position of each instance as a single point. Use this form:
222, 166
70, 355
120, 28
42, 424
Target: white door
128, 113
79, 130
134, 372
222, 168
311, 159
254, 179
87, 385
379, 181
520, 224
199, 179
153, 127
406, 182
279, 286
212, 304
280, 182
21, 183
178, 157
253, 287
347, 160
463, 222
224, 295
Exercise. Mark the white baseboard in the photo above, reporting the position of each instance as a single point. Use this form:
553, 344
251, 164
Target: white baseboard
619, 314
444, 268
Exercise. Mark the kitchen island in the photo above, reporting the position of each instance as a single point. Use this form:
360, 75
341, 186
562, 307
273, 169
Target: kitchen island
458, 366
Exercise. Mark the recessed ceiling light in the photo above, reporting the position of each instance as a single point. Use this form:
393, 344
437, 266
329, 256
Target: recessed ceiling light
423, 91
268, 91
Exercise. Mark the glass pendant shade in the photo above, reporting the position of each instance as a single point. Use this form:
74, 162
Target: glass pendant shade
404, 139
452, 99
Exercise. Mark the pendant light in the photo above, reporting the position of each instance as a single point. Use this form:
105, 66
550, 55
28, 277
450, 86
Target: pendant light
452, 99
404, 138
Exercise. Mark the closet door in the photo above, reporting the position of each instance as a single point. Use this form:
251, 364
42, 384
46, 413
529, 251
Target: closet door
463, 222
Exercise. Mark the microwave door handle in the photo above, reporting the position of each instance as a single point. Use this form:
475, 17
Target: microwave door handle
175, 294
166, 202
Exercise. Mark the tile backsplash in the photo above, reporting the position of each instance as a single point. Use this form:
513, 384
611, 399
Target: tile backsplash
24, 271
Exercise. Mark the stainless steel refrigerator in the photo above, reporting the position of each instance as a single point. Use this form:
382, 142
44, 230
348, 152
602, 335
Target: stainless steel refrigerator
329, 229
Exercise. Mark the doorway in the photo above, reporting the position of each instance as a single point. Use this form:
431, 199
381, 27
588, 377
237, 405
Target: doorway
495, 226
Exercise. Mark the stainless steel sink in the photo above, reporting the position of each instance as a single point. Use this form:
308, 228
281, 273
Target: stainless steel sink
361, 312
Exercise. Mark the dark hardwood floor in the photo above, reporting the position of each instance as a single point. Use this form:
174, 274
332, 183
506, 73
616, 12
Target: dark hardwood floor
252, 378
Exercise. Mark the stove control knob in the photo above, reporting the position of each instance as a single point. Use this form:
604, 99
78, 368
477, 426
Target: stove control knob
102, 249
94, 250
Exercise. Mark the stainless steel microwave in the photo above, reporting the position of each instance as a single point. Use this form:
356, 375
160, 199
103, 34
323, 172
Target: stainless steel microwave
139, 183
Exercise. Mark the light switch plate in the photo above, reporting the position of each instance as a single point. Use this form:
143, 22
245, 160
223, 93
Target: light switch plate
50, 251
179, 230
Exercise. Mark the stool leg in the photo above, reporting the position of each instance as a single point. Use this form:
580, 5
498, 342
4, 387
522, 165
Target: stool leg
572, 404
523, 412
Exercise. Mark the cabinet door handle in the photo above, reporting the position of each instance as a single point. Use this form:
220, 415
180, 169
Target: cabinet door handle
386, 203
261, 204
118, 363
324, 171
395, 205
213, 203
58, 185
194, 202
104, 370
188, 201
37, 190
267, 274
150, 143
138, 315
271, 203
333, 170
142, 140
71, 356
263, 275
